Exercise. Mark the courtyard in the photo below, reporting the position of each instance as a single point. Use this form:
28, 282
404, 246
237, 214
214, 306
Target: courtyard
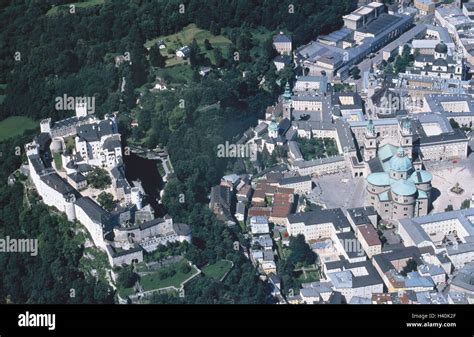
445, 176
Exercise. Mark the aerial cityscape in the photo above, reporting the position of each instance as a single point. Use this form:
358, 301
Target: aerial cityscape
153, 154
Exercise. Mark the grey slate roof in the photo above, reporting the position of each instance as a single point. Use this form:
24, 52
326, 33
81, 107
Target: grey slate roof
94, 211
111, 143
95, 131
77, 177
384, 259
37, 163
281, 38
320, 161
182, 229
335, 216
372, 277
465, 278
360, 215
295, 180
59, 184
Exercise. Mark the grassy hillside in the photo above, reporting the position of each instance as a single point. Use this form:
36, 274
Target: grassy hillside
56, 9
15, 126
184, 38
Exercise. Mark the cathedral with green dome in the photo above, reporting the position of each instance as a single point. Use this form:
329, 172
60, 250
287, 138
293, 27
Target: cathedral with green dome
396, 187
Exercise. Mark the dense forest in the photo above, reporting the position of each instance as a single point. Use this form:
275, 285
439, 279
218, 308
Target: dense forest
45, 56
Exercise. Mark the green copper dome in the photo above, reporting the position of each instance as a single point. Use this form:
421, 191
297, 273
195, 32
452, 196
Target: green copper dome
400, 162
441, 48
370, 127
273, 125
404, 187
421, 177
379, 179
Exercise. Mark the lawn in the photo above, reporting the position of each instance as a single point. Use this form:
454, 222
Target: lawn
177, 74
125, 292
218, 269
243, 226
15, 126
184, 38
152, 281
55, 10
58, 161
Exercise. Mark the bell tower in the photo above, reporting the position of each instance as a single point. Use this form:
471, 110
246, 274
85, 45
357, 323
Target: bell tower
287, 101
406, 136
370, 141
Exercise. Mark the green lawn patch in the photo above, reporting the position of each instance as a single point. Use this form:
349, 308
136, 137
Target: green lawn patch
242, 225
152, 281
15, 126
125, 292
62, 8
218, 269
177, 74
58, 161
184, 38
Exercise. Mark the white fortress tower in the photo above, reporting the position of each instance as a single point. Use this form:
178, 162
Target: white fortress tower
32, 148
45, 125
136, 198
81, 109
69, 207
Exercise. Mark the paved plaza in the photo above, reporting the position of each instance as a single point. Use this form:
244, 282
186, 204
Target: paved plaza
445, 176
338, 191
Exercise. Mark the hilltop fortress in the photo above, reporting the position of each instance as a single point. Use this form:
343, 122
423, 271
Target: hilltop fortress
62, 156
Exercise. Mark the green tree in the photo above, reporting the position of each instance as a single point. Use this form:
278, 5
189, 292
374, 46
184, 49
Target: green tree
466, 204
454, 124
156, 59
215, 28
403, 61
207, 44
355, 72
409, 267
184, 268
218, 57
126, 278
194, 54
106, 200
99, 178
300, 251
449, 208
